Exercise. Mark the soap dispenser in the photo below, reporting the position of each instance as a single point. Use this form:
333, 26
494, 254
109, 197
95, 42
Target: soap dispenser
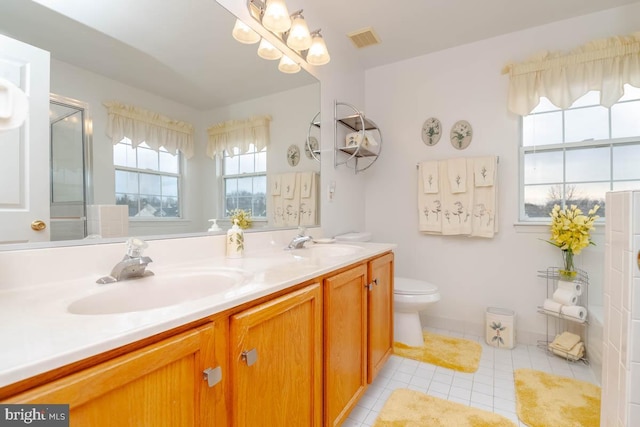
235, 241
214, 226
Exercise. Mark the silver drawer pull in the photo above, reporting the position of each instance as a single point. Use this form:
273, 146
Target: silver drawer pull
213, 375
250, 356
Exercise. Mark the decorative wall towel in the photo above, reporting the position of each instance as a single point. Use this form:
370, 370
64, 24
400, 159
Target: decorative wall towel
457, 208
291, 205
308, 204
572, 286
289, 185
484, 171
429, 173
429, 205
457, 173
305, 184
276, 185
485, 207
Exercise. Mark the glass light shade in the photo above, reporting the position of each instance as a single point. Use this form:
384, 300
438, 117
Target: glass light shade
244, 34
318, 53
287, 65
267, 51
299, 37
276, 16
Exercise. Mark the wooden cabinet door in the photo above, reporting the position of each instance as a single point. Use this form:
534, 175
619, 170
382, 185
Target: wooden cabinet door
345, 315
276, 361
380, 314
159, 385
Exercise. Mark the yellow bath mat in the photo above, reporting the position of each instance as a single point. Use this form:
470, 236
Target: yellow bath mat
409, 408
544, 400
449, 352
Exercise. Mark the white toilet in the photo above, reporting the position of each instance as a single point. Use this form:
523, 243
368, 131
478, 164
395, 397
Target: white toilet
410, 297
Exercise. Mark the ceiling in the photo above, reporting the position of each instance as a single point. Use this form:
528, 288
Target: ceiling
184, 50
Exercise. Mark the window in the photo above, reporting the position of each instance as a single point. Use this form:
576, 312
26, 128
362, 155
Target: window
574, 156
148, 181
245, 181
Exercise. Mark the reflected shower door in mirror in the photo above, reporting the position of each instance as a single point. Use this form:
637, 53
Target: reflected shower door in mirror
198, 75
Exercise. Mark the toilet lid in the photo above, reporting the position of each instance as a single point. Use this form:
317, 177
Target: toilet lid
405, 286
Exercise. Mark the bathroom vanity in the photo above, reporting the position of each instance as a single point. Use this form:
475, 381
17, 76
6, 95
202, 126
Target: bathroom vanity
295, 343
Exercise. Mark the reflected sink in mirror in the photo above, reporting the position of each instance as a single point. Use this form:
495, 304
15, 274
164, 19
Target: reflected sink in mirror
326, 251
161, 290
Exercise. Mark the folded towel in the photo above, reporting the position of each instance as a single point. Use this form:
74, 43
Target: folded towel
572, 286
308, 205
484, 171
369, 139
457, 209
353, 139
565, 296
575, 354
276, 185
457, 173
429, 174
306, 179
566, 341
289, 185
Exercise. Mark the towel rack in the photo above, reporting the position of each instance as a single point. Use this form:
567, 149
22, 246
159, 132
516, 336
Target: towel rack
497, 161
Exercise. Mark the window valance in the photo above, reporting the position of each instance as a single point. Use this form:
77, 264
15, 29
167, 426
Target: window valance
603, 65
154, 129
238, 134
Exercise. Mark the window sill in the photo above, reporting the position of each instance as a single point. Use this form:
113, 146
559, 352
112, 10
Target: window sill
544, 227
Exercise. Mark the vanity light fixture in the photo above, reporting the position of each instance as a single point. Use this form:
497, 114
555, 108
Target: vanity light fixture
244, 34
275, 17
292, 30
298, 36
267, 51
288, 65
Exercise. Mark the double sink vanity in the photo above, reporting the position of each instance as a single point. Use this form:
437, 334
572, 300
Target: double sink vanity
274, 338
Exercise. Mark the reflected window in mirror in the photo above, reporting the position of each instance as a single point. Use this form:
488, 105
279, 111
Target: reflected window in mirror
148, 181
245, 181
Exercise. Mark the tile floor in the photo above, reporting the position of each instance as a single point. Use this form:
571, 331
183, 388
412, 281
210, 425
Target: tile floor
490, 388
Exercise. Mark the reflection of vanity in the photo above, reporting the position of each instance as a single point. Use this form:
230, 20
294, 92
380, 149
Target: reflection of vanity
297, 344
174, 82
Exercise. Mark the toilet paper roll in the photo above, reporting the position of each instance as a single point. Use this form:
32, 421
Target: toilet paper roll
565, 296
552, 306
572, 286
575, 312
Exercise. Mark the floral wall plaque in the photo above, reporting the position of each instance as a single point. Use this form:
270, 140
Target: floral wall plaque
461, 134
431, 131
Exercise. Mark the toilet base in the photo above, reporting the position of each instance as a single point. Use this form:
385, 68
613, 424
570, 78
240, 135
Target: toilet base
407, 329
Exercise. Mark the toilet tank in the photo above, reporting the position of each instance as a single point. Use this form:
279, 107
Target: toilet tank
359, 236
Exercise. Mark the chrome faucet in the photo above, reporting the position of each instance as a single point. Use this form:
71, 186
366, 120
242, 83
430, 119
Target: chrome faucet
299, 241
132, 266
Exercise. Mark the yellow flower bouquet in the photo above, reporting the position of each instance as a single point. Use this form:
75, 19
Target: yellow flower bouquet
243, 217
570, 230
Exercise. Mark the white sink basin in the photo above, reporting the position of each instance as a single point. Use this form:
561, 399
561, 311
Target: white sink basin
161, 290
326, 251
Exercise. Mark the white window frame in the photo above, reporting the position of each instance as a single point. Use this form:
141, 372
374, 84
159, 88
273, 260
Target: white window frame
225, 176
609, 143
178, 175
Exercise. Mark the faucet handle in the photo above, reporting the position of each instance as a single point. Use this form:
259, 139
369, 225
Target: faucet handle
135, 247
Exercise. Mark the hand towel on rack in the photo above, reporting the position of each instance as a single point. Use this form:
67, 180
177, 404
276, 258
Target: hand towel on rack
576, 353
457, 173
457, 208
308, 205
305, 184
276, 185
289, 185
566, 341
291, 205
484, 171
277, 211
429, 173
485, 208
429, 208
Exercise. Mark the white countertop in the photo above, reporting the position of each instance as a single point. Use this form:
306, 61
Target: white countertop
38, 333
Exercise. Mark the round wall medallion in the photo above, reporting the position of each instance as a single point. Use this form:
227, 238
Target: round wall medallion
431, 131
311, 145
293, 155
461, 134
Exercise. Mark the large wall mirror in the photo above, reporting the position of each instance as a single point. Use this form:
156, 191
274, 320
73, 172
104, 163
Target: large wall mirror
179, 61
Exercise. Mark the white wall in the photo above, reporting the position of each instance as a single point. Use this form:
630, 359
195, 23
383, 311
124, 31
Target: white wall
466, 83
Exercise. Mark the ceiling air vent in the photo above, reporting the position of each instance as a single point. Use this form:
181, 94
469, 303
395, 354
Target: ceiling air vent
364, 37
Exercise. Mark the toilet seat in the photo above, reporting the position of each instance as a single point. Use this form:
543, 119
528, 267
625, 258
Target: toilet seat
406, 286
